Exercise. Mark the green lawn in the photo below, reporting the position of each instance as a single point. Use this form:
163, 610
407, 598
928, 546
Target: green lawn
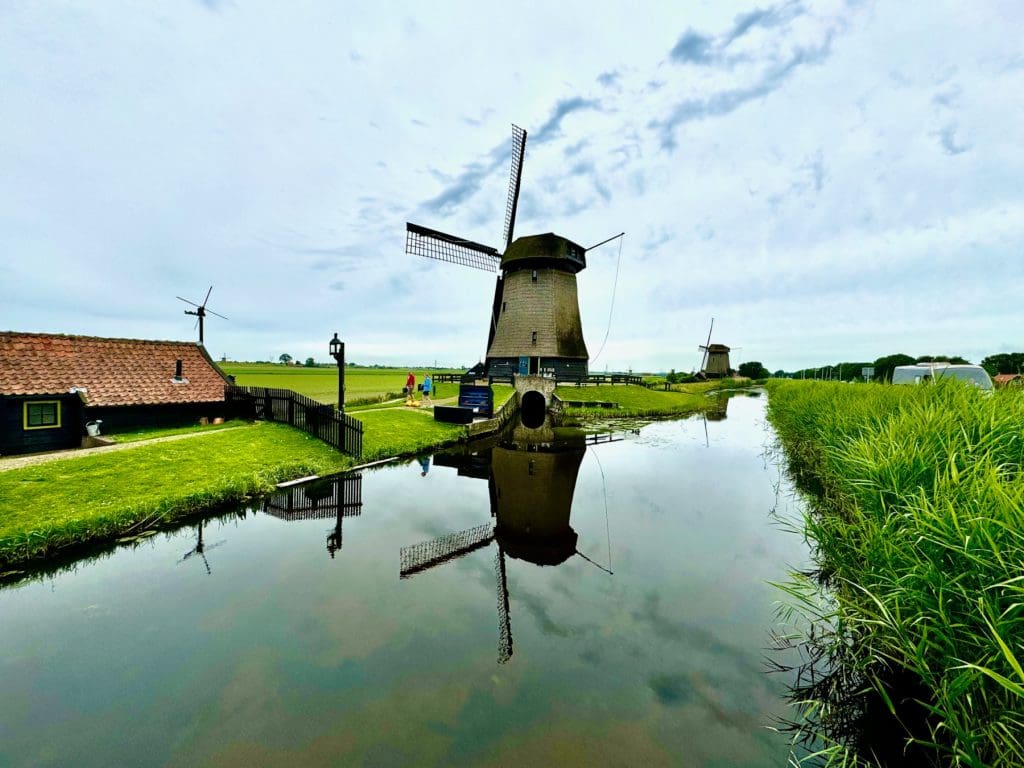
636, 401
391, 432
49, 506
147, 433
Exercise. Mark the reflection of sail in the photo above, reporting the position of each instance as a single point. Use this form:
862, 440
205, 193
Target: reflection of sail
531, 491
419, 557
324, 498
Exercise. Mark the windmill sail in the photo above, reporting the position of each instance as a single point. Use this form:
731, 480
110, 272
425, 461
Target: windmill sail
421, 241
425, 555
504, 621
516, 177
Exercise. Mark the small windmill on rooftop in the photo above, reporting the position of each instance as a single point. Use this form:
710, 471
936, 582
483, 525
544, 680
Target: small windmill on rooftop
535, 323
200, 312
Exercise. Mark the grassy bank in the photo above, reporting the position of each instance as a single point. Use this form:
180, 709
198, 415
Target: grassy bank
917, 521
51, 506
638, 402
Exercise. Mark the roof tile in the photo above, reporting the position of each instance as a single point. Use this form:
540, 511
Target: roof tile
113, 371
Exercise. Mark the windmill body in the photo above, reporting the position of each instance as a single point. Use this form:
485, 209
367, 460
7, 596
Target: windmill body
717, 365
537, 328
535, 323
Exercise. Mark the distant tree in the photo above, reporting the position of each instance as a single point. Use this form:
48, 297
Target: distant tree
310, 362
884, 365
671, 376
955, 360
780, 374
1011, 362
754, 370
285, 358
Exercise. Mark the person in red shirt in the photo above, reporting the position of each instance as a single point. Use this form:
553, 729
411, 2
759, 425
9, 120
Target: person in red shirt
410, 384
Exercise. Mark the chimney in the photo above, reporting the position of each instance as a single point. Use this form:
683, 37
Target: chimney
177, 369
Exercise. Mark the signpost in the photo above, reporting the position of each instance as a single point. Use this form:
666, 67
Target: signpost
867, 372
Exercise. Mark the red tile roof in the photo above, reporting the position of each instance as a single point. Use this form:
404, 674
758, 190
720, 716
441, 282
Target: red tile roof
113, 371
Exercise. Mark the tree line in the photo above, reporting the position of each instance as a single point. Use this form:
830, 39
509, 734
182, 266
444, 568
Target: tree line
1012, 362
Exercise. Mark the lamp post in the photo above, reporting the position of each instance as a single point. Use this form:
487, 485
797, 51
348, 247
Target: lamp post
337, 348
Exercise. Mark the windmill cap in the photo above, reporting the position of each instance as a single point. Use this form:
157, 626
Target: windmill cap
544, 250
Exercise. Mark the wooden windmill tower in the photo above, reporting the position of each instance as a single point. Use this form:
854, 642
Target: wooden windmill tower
535, 315
531, 496
715, 363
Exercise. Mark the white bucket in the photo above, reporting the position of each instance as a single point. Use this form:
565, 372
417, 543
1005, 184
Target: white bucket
92, 428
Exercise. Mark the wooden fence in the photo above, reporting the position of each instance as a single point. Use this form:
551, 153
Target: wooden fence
282, 405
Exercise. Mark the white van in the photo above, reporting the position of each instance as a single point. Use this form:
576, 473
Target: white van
921, 373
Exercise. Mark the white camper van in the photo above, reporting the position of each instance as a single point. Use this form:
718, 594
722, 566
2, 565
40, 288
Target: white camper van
922, 373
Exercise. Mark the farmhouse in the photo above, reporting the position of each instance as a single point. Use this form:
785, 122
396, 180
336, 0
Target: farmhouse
52, 385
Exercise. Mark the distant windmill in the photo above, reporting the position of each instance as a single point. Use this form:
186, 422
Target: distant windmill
715, 363
200, 312
535, 315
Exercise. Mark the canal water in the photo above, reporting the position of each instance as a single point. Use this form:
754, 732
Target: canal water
587, 601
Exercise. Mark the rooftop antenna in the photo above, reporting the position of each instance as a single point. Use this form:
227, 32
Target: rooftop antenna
200, 312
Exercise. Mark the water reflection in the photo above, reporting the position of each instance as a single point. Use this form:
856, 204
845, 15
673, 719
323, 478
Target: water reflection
531, 480
338, 497
201, 548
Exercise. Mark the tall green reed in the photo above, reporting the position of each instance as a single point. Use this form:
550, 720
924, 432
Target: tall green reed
917, 521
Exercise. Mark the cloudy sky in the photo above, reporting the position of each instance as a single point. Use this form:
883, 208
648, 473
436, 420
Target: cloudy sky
829, 181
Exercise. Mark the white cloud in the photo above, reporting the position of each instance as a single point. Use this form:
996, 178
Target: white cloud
808, 175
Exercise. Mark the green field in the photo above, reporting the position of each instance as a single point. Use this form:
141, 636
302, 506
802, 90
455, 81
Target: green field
362, 385
916, 520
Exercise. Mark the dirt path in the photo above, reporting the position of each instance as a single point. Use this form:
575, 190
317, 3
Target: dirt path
17, 462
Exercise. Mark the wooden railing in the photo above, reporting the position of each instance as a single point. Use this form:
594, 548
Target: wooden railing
282, 405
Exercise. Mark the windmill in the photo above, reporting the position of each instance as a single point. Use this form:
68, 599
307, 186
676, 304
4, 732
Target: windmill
531, 494
535, 315
200, 311
715, 363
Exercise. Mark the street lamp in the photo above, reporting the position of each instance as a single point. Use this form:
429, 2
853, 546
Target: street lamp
337, 348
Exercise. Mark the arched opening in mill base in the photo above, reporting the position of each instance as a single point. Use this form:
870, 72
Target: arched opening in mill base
532, 409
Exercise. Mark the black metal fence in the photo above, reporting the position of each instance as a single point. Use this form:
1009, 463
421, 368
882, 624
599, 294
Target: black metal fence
282, 405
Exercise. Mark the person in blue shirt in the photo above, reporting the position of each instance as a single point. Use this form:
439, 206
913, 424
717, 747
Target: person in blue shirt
428, 384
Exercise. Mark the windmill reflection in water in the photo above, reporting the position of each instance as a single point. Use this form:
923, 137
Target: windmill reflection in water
531, 488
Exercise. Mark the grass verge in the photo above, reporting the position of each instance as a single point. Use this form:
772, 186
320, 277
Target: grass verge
52, 506
917, 523
634, 401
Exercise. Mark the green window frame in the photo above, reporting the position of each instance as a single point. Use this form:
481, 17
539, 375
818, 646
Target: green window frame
41, 414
